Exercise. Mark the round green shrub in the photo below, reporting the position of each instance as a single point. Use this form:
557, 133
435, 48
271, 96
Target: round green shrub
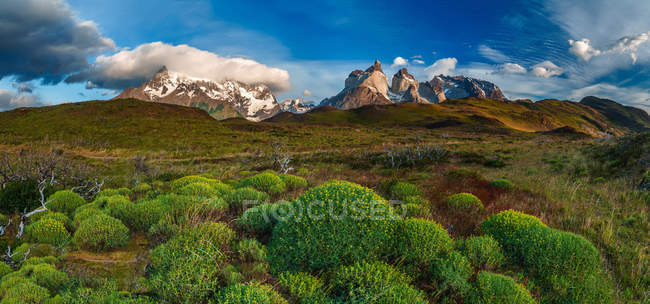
247, 195
492, 288
48, 231
249, 294
142, 188
45, 275
251, 250
57, 216
402, 190
482, 251
570, 272
303, 287
198, 189
112, 192
421, 241
266, 182
502, 184
137, 216
40, 260
337, 223
262, 218
375, 282
5, 269
451, 274
294, 182
464, 202
65, 201
84, 214
101, 232
24, 291
192, 179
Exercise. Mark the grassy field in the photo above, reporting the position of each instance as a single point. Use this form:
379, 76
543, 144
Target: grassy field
549, 171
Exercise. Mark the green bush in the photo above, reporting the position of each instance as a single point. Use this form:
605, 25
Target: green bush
266, 182
105, 293
162, 231
137, 216
5, 269
239, 196
464, 202
413, 210
40, 260
294, 182
112, 192
421, 241
415, 199
402, 190
262, 218
340, 223
48, 231
82, 214
303, 287
492, 288
251, 250
482, 251
186, 269
142, 188
451, 273
20, 195
374, 283
57, 216
23, 291
192, 179
45, 275
502, 184
249, 294
65, 201
231, 275
570, 272
101, 232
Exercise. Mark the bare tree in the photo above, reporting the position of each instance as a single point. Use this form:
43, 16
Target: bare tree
8, 257
281, 156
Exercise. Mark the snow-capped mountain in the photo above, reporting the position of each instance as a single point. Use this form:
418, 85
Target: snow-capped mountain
296, 105
441, 88
222, 100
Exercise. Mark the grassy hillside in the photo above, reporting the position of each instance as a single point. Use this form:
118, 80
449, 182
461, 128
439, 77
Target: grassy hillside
624, 116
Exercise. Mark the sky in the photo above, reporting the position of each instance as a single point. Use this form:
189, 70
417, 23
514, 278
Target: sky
56, 51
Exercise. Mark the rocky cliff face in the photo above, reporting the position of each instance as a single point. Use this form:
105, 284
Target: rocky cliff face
441, 88
362, 88
296, 105
222, 100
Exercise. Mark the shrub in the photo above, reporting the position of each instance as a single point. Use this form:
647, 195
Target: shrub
84, 214
451, 273
48, 231
197, 189
65, 201
571, 272
20, 195
402, 190
464, 202
40, 260
23, 291
5, 269
142, 188
162, 231
186, 269
239, 196
112, 192
231, 275
267, 182
101, 232
374, 283
421, 241
3, 220
105, 293
57, 216
251, 250
137, 216
341, 223
303, 287
482, 251
262, 218
415, 199
494, 288
502, 184
413, 210
294, 182
45, 275
249, 294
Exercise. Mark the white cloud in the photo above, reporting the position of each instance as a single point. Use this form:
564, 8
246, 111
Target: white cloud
546, 69
306, 93
511, 68
11, 100
443, 66
132, 67
492, 54
583, 49
90, 85
417, 61
417, 56
399, 61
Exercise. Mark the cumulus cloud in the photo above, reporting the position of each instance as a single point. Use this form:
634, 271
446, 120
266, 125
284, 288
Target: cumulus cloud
492, 54
511, 68
583, 49
42, 39
306, 93
90, 85
132, 67
417, 61
443, 66
546, 69
10, 100
399, 61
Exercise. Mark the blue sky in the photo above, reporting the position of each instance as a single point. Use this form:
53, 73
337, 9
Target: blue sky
531, 49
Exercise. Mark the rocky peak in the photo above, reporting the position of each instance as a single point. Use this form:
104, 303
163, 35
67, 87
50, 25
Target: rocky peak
402, 80
375, 67
296, 105
362, 88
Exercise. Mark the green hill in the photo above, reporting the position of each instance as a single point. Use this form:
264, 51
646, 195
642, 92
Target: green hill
624, 116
